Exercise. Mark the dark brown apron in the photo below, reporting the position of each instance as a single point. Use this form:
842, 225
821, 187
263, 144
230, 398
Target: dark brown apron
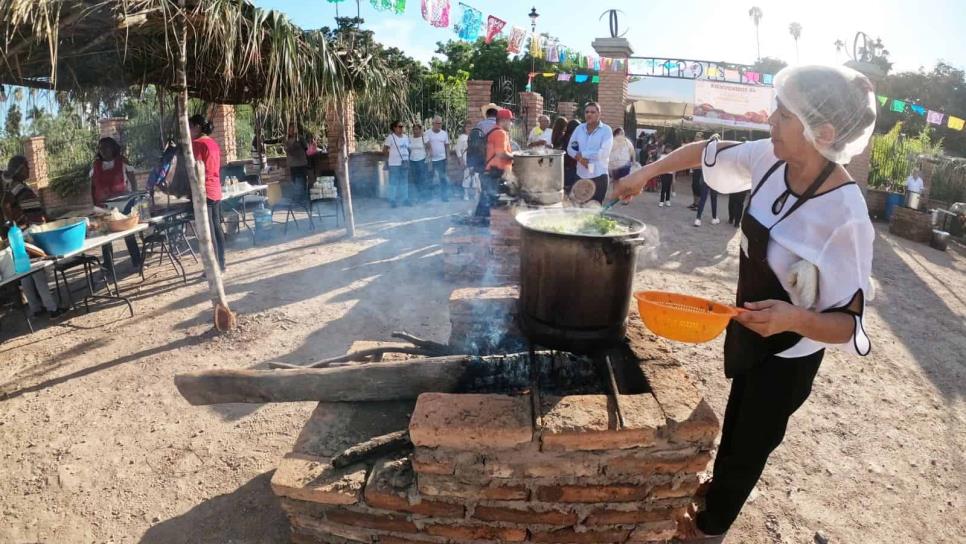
744, 348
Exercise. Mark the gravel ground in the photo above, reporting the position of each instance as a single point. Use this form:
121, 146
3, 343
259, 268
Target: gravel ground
99, 447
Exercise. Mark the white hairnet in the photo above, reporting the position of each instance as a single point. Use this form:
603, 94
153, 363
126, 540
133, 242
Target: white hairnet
830, 95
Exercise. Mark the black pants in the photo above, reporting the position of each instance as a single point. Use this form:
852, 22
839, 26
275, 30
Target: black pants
760, 403
736, 204
217, 235
697, 182
666, 181
489, 191
133, 250
600, 188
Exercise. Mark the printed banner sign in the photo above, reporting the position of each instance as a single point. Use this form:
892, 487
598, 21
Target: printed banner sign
730, 104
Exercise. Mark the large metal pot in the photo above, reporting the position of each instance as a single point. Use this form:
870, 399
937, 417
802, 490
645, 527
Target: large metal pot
575, 290
539, 176
912, 199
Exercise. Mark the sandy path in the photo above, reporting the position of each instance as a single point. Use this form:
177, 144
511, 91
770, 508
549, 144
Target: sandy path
99, 447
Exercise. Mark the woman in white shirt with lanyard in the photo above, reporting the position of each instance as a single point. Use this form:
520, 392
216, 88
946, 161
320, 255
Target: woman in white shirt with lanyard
396, 148
804, 265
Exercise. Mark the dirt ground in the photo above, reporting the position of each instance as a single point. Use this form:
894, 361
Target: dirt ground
97, 445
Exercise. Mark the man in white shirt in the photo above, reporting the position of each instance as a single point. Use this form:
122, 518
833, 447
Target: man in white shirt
396, 148
914, 182
541, 135
590, 146
438, 141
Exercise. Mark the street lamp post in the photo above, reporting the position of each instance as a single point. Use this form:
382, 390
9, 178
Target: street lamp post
533, 36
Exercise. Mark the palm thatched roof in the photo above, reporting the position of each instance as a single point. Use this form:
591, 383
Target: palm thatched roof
236, 53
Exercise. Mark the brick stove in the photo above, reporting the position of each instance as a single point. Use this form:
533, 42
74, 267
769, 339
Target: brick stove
555, 463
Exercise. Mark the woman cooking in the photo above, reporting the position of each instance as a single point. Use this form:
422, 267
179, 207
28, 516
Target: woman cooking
804, 265
112, 176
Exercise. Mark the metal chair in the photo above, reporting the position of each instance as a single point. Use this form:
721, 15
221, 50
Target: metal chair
160, 242
89, 263
297, 198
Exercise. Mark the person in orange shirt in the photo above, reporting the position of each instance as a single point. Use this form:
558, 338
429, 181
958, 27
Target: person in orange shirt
499, 159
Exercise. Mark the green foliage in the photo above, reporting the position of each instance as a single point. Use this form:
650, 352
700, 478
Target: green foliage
942, 88
11, 127
769, 65
70, 144
894, 156
948, 181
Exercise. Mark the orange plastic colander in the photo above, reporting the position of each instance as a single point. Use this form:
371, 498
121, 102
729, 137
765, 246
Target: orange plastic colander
682, 317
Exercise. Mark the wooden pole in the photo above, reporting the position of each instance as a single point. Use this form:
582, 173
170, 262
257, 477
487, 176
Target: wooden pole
224, 319
344, 185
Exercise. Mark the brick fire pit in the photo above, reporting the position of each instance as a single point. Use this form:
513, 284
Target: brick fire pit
548, 465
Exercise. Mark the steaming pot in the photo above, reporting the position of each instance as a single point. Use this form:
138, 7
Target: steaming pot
539, 175
575, 289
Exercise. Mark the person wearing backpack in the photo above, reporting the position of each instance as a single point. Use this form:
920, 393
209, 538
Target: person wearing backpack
499, 159
476, 141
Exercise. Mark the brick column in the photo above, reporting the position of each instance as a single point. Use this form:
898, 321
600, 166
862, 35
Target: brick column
612, 90
531, 106
112, 127
222, 118
333, 129
477, 96
36, 154
566, 109
859, 167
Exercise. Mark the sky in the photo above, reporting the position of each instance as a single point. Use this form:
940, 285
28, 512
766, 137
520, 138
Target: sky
916, 33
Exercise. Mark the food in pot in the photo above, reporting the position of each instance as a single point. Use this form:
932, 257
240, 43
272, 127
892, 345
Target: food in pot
593, 224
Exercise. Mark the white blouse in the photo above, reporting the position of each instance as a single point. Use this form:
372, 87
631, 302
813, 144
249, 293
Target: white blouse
832, 231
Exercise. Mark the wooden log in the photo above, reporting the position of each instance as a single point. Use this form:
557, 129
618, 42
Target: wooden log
374, 447
368, 382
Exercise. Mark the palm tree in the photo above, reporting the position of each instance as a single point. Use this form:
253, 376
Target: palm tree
796, 31
839, 46
755, 14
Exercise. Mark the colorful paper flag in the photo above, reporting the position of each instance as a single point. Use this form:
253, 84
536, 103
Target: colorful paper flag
514, 43
580, 78
956, 123
595, 79
752, 77
732, 75
768, 79
535, 50
882, 99
935, 117
436, 12
468, 27
919, 110
396, 6
712, 71
494, 25
563, 77
898, 106
549, 74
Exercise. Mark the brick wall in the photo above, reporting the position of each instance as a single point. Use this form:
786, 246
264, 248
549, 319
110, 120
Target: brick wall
567, 109
531, 106
612, 96
222, 118
112, 127
859, 167
477, 96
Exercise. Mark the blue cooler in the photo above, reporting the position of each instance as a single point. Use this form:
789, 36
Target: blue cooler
60, 237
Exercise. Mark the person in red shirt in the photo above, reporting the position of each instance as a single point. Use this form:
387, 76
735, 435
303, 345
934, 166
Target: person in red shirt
207, 152
112, 176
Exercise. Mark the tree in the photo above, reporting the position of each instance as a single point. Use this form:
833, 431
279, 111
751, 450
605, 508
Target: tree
941, 89
755, 14
795, 29
11, 126
769, 65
